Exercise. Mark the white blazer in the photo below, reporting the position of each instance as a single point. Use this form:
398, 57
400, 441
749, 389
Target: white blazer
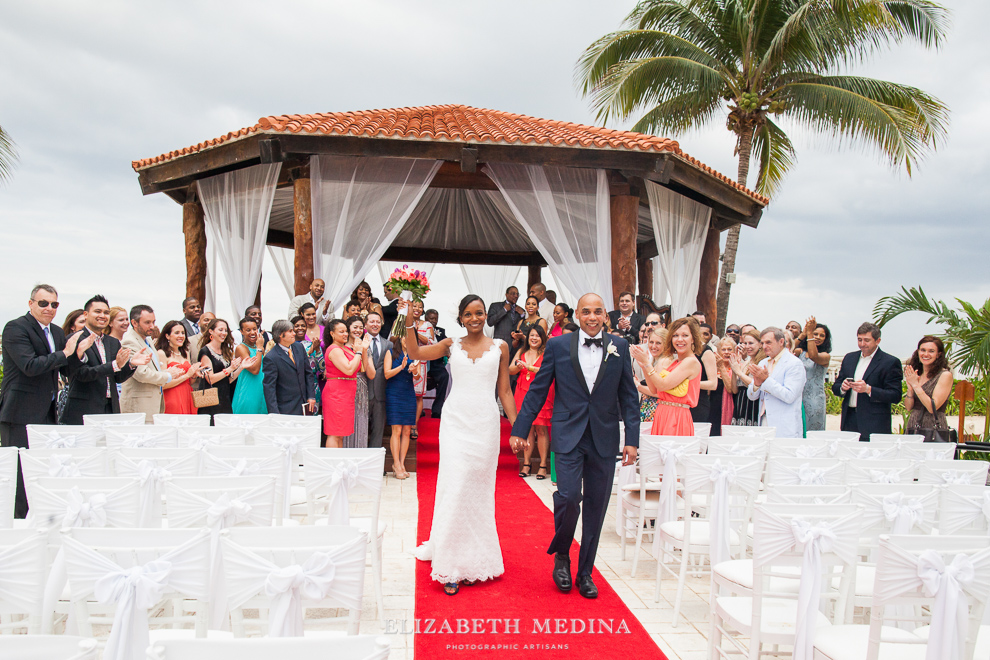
780, 395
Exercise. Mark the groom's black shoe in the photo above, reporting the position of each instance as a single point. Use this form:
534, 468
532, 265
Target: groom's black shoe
586, 587
562, 572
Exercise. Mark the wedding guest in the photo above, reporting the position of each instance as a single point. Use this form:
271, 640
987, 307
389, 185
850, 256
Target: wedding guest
355, 336
814, 350
647, 400
869, 382
552, 296
196, 341
625, 321
314, 331
426, 336
778, 383
312, 342
677, 386
709, 375
400, 402
652, 322
390, 311
254, 313
118, 323
929, 388
539, 291
74, 322
299, 328
191, 311
366, 303
748, 351
747, 327
561, 317
142, 392
527, 323
794, 328
526, 364
503, 317
721, 400
315, 295
710, 337
376, 377
343, 362
438, 368
173, 351
287, 380
732, 332
93, 378
571, 327
249, 395
644, 335
219, 366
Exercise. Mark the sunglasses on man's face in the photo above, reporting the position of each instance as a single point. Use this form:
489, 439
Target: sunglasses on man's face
649, 323
45, 303
732, 332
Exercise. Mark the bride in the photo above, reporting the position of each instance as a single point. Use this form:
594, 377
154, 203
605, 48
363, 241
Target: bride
463, 544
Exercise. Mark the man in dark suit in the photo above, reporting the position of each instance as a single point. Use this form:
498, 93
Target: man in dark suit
191, 312
376, 387
592, 373
35, 350
93, 379
288, 380
390, 311
869, 382
504, 316
438, 368
625, 321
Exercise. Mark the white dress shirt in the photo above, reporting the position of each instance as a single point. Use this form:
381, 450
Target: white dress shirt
546, 311
590, 358
861, 367
303, 298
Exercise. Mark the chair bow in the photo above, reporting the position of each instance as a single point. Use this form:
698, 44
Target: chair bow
62, 465
809, 476
816, 538
956, 477
243, 468
139, 440
133, 591
58, 441
80, 512
197, 441
807, 451
741, 450
287, 587
344, 477
904, 513
149, 470
287, 423
891, 476
227, 511
949, 624
722, 476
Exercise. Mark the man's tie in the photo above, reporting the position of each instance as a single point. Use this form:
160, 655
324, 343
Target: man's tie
597, 341
48, 337
374, 349
292, 357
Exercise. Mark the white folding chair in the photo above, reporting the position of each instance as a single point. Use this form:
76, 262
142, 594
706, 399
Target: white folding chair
120, 419
765, 432
141, 437
131, 571
819, 541
797, 494
879, 471
855, 451
851, 436
739, 446
247, 422
805, 471
223, 461
702, 429
356, 647
727, 485
153, 467
291, 442
181, 421
339, 479
949, 576
219, 503
84, 502
322, 567
928, 451
211, 436
88, 462
23, 571
278, 421
964, 510
53, 436
960, 473
48, 647
799, 448
896, 437
8, 483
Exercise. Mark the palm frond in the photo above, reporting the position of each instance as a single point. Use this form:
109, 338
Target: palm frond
922, 20
696, 22
679, 114
775, 155
912, 300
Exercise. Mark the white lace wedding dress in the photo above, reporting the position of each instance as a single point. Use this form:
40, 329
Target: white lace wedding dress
463, 542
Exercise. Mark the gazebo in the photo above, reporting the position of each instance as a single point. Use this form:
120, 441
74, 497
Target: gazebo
452, 184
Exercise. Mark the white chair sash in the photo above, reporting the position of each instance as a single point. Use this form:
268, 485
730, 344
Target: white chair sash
76, 508
957, 477
135, 589
950, 612
867, 471
671, 453
201, 441
902, 512
722, 476
960, 510
291, 447
719, 477
153, 473
336, 477
789, 472
337, 573
19, 572
891, 476
82, 511
737, 449
63, 463
47, 437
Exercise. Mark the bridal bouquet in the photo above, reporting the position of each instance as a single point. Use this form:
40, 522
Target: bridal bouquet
410, 285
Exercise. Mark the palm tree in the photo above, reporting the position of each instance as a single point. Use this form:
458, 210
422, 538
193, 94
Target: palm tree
966, 336
8, 156
687, 62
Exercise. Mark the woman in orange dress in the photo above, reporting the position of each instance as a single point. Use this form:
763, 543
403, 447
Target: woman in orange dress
526, 365
173, 351
677, 387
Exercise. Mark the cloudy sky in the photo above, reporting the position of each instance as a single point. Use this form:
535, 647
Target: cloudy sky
89, 87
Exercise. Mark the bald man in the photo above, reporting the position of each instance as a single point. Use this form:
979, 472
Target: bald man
315, 295
592, 373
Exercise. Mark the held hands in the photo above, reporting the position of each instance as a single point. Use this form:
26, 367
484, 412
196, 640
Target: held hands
517, 443
629, 455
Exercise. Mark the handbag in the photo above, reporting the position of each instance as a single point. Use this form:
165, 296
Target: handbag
206, 398
940, 435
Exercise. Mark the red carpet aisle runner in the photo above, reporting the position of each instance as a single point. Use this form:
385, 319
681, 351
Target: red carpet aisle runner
532, 619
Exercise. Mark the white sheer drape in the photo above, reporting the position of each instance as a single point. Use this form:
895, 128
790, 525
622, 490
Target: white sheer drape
680, 226
489, 282
237, 205
359, 205
565, 211
285, 265
210, 302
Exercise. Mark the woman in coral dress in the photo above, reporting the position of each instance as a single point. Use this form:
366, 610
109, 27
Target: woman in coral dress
526, 365
343, 362
173, 351
677, 387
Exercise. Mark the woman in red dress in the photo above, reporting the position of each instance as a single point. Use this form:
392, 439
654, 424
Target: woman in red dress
173, 351
526, 364
674, 401
343, 363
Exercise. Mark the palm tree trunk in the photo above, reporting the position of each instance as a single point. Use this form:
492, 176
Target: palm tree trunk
732, 240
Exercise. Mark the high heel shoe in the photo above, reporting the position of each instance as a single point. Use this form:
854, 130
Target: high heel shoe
451, 588
541, 477
525, 474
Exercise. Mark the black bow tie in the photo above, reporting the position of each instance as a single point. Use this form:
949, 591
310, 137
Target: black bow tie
597, 341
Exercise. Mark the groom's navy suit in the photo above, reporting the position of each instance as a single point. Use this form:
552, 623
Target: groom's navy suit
584, 434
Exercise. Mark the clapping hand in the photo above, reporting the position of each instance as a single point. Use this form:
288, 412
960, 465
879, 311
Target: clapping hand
759, 374
82, 345
195, 370
175, 372
911, 376
122, 356
639, 354
236, 363
809, 326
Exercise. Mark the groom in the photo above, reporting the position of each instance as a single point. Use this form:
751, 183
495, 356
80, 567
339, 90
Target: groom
594, 387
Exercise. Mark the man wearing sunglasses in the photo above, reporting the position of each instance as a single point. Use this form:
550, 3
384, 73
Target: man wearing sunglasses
35, 350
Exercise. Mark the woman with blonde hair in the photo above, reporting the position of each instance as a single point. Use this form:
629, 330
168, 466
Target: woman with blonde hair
119, 323
655, 341
678, 386
749, 351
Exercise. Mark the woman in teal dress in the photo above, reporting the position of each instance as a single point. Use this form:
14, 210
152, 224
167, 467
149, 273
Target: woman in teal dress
249, 395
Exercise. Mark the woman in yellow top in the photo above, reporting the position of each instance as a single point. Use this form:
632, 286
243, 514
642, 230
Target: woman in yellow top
677, 387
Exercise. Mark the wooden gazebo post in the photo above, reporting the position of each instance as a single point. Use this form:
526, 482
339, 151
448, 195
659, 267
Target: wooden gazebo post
194, 231
708, 279
624, 210
302, 234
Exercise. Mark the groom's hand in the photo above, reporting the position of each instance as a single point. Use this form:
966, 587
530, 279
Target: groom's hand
517, 443
628, 455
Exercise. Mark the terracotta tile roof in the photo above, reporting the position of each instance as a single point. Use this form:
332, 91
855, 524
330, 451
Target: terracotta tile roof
454, 123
